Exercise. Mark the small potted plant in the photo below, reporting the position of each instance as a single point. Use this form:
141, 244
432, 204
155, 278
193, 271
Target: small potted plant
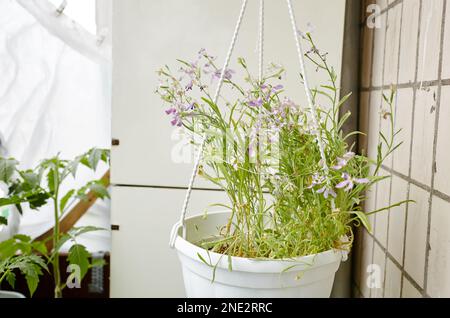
36, 188
291, 213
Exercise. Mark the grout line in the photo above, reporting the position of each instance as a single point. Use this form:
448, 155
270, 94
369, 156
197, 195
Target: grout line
368, 107
388, 7
399, 266
437, 193
393, 155
443, 82
435, 139
411, 144
379, 122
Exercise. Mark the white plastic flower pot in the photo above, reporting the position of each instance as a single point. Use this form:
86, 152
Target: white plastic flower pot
304, 277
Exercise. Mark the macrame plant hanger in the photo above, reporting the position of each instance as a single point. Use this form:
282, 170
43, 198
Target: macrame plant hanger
311, 104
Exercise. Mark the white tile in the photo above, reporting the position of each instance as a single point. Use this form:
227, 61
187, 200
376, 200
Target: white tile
408, 46
382, 3
446, 55
442, 180
392, 285
364, 121
374, 123
397, 218
381, 218
378, 52
409, 291
392, 45
379, 259
416, 234
439, 257
370, 205
430, 40
424, 122
403, 118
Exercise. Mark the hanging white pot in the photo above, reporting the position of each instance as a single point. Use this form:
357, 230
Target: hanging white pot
304, 277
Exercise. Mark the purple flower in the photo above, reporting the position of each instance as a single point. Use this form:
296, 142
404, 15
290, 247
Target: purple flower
348, 182
189, 85
189, 107
176, 121
228, 74
256, 103
171, 110
327, 192
342, 162
316, 180
277, 88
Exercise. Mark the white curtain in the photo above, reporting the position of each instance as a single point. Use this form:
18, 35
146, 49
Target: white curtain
54, 98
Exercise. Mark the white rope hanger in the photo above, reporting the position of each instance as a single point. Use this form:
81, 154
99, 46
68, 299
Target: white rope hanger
181, 222
311, 104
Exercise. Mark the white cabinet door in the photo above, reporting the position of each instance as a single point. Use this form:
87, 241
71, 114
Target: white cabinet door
142, 263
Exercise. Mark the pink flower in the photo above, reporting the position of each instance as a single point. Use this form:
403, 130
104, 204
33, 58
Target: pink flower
171, 110
316, 180
342, 162
348, 182
256, 103
227, 75
327, 192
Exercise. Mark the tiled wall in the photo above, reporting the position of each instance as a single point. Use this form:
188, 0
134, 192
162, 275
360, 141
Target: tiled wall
409, 245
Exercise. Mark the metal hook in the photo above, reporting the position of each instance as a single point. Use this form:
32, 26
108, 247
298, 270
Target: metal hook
61, 8
102, 36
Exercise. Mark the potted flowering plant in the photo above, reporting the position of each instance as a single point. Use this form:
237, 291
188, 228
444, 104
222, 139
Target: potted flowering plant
291, 214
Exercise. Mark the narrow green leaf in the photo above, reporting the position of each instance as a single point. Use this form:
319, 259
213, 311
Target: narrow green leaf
65, 199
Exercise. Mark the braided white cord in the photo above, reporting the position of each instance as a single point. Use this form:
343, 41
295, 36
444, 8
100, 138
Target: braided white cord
261, 39
311, 104
181, 222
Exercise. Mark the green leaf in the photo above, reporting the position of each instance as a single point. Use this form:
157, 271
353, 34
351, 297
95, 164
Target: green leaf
72, 166
364, 220
78, 255
97, 262
3, 220
77, 231
203, 259
7, 169
95, 156
99, 189
40, 247
65, 199
22, 238
51, 181
30, 266
63, 239
38, 199
31, 180
11, 279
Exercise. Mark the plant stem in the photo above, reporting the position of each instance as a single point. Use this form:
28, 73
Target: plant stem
55, 263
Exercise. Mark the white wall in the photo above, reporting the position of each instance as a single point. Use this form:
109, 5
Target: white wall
147, 35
